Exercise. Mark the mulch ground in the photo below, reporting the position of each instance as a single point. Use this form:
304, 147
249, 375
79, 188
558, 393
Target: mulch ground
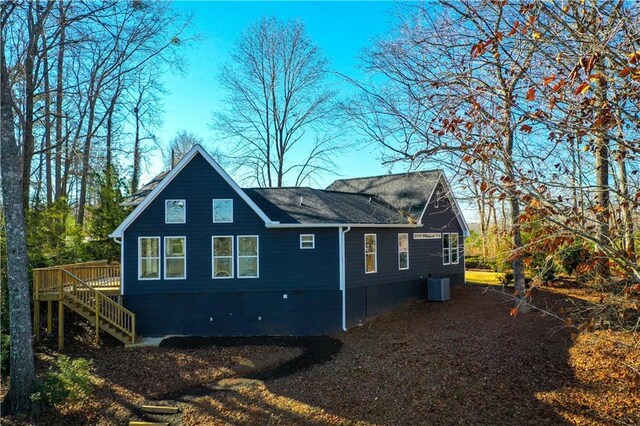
466, 361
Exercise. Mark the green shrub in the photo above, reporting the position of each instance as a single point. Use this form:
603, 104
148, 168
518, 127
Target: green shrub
70, 380
478, 262
571, 256
5, 353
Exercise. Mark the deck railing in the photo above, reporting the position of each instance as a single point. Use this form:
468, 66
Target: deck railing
97, 274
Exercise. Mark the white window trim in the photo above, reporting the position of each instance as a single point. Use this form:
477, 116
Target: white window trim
164, 253
375, 254
184, 219
257, 256
140, 259
313, 241
213, 210
451, 237
213, 257
448, 262
399, 251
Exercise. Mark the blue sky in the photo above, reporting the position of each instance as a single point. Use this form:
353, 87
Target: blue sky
341, 29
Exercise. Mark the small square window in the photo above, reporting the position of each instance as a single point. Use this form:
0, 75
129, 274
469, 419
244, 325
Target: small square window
223, 211
307, 241
174, 211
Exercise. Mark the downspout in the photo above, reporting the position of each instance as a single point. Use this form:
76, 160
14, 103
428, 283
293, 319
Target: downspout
343, 286
121, 242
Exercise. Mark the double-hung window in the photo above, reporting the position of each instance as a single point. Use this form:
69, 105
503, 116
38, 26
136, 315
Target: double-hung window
307, 241
222, 249
248, 256
454, 248
149, 258
403, 251
450, 252
175, 258
175, 211
223, 211
446, 248
370, 253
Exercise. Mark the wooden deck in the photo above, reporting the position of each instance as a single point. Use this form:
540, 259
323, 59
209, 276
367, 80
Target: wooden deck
92, 290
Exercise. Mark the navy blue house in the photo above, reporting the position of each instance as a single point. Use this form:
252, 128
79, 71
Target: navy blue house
202, 256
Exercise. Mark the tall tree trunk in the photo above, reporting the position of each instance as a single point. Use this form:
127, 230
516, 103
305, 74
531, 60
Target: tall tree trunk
603, 212
514, 204
135, 178
493, 215
60, 190
626, 210
483, 225
47, 125
22, 377
29, 88
38, 193
109, 137
86, 154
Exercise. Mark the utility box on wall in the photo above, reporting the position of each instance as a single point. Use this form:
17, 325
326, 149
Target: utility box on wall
438, 289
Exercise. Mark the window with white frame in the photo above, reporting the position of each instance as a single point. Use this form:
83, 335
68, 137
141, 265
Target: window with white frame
454, 248
370, 253
248, 256
175, 211
175, 258
222, 249
446, 248
403, 251
223, 211
149, 258
307, 241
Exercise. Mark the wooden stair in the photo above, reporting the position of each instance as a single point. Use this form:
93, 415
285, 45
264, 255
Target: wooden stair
98, 308
90, 316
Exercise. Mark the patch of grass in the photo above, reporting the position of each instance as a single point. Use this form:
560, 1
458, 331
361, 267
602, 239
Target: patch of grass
484, 277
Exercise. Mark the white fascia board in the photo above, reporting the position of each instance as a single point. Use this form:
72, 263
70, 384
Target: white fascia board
344, 225
454, 202
171, 175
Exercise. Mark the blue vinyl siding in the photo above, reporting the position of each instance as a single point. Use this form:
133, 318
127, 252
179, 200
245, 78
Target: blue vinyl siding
284, 267
370, 294
309, 278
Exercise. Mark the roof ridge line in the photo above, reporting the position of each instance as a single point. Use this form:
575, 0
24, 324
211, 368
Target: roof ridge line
390, 174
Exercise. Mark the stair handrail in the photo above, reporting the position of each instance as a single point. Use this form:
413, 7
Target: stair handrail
104, 307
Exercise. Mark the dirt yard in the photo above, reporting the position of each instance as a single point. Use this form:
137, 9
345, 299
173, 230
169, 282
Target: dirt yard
466, 361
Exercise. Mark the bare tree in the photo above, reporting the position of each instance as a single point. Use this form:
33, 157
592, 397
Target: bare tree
437, 95
279, 118
181, 143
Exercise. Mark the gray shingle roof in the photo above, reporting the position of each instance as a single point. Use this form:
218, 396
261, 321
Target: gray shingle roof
408, 192
308, 205
392, 199
142, 193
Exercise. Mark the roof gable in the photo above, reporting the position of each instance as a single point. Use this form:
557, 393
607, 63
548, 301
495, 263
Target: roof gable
155, 187
408, 192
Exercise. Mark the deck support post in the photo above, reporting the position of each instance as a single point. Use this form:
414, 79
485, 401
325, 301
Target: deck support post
97, 318
36, 320
49, 316
60, 325
133, 330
